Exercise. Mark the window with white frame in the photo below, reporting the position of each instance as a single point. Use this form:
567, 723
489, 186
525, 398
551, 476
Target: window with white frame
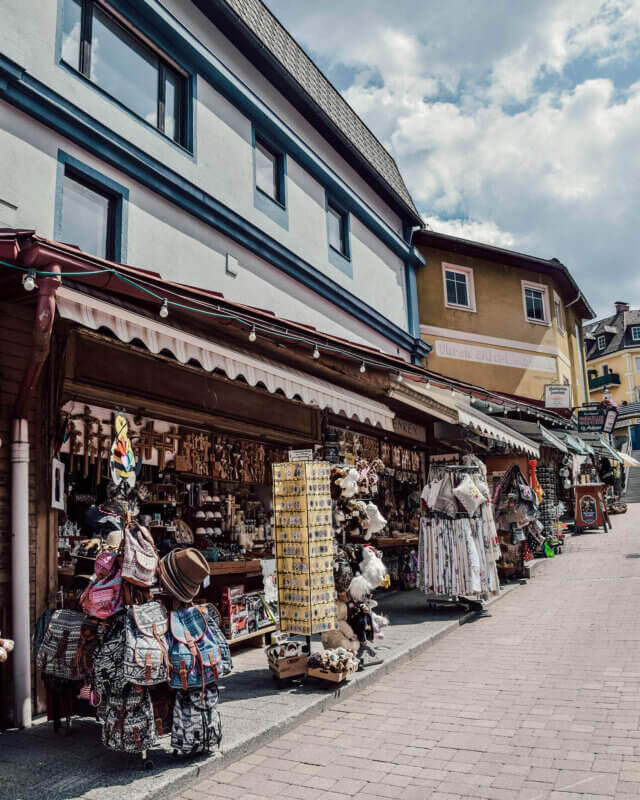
635, 333
558, 313
601, 342
459, 289
535, 298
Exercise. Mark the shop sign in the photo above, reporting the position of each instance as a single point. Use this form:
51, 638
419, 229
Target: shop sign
591, 420
610, 420
588, 509
410, 429
301, 455
557, 396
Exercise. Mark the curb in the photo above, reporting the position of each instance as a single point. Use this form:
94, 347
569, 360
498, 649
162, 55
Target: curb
323, 702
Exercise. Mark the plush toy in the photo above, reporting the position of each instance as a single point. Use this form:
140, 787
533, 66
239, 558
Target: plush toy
7, 645
343, 635
376, 520
349, 483
359, 588
372, 567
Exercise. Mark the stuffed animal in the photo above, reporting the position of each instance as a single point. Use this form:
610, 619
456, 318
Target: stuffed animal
372, 567
349, 483
379, 621
359, 589
7, 645
376, 520
343, 635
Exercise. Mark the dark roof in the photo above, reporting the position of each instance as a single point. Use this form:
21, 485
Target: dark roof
552, 267
617, 333
630, 410
266, 42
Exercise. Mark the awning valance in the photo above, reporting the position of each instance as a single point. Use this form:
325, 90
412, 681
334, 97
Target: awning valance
537, 433
490, 428
429, 400
158, 337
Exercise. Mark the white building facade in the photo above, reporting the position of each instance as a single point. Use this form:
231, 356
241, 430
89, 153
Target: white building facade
196, 139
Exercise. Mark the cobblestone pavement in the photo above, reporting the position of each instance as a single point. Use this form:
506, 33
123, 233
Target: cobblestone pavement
540, 700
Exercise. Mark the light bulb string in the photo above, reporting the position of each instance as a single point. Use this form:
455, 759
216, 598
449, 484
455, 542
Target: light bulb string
265, 328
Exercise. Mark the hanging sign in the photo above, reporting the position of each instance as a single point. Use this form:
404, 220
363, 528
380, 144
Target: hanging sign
591, 420
301, 455
610, 420
557, 396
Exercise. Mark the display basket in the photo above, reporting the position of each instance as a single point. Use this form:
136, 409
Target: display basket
289, 667
327, 675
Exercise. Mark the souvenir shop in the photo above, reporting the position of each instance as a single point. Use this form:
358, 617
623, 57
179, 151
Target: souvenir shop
168, 468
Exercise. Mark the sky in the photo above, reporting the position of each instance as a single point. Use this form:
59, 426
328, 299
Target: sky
513, 123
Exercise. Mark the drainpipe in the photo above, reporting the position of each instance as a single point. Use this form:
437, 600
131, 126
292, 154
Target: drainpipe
20, 581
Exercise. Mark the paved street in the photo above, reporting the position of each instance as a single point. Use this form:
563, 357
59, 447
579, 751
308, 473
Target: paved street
541, 700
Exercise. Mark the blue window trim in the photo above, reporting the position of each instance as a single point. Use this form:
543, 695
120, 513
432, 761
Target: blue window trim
36, 99
341, 261
188, 149
119, 193
274, 209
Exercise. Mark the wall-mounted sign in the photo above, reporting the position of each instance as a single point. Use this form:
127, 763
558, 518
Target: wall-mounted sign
591, 420
410, 429
557, 396
301, 455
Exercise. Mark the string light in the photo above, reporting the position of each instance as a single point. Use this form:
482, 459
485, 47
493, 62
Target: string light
363, 367
428, 384
252, 335
164, 309
29, 281
399, 377
316, 352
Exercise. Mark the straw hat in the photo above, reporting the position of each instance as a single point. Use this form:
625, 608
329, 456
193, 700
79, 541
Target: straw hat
182, 572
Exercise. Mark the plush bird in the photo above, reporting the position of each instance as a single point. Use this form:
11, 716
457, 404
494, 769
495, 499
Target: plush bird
376, 520
372, 567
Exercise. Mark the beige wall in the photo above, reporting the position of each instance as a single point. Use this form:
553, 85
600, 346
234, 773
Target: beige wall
495, 346
624, 364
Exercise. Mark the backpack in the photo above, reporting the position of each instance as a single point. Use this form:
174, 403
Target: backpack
140, 557
103, 597
146, 660
57, 654
87, 646
196, 649
128, 721
108, 660
196, 721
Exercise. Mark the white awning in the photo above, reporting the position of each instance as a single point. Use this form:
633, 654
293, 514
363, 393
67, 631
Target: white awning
431, 401
491, 428
158, 337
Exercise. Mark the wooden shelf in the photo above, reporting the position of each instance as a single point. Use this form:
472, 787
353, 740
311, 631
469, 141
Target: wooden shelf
234, 567
247, 636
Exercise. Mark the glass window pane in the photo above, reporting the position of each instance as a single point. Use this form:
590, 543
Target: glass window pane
457, 293
120, 66
336, 229
266, 171
71, 22
534, 303
171, 107
85, 218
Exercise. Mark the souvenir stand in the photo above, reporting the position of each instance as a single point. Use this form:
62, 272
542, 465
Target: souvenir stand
400, 470
458, 541
136, 648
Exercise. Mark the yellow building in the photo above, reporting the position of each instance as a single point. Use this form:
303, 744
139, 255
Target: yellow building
508, 322
613, 356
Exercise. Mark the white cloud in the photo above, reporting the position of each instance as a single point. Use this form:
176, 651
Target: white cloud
514, 126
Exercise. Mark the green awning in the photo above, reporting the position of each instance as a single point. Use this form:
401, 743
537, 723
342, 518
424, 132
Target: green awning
610, 451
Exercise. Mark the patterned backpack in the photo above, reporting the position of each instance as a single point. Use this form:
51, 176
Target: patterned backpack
146, 659
196, 721
197, 654
57, 654
103, 596
128, 721
140, 556
108, 660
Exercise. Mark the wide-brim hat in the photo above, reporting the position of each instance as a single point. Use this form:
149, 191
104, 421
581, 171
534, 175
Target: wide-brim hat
182, 572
